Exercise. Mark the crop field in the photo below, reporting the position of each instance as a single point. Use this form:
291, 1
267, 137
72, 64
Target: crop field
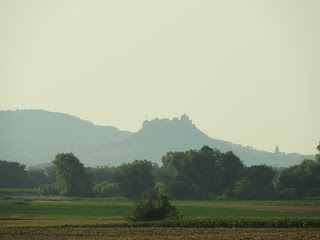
67, 209
34, 217
160, 233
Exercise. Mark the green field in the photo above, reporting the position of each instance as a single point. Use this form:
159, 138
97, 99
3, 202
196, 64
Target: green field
119, 209
249, 203
25, 204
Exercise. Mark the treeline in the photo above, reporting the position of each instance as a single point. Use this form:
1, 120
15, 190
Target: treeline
194, 174
15, 175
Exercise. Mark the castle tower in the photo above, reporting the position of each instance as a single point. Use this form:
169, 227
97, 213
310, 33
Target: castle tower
276, 151
185, 118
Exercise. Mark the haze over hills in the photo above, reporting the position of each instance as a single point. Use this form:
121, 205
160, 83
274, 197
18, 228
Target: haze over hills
35, 136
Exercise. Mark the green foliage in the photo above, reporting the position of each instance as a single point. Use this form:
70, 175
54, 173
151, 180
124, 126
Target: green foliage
145, 208
51, 175
232, 169
135, 178
162, 174
302, 178
318, 155
36, 177
49, 190
165, 209
314, 192
161, 188
106, 189
19, 191
149, 207
286, 194
72, 177
288, 178
195, 174
101, 174
12, 174
209, 173
205, 172
179, 189
257, 185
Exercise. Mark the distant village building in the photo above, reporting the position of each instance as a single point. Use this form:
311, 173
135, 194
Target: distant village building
276, 151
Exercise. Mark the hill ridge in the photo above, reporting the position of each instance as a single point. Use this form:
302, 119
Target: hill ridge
35, 136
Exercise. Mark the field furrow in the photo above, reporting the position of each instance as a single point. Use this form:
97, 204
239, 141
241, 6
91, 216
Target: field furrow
160, 233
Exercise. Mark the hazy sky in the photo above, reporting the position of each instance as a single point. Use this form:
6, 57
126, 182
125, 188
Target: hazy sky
243, 71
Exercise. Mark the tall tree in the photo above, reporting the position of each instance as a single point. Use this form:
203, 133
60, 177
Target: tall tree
72, 177
318, 155
204, 169
232, 170
12, 174
135, 178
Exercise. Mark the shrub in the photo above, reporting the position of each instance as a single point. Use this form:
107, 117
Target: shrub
164, 208
150, 207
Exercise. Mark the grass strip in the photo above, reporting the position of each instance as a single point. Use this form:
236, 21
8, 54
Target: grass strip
196, 223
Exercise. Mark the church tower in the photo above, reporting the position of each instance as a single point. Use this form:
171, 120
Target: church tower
276, 151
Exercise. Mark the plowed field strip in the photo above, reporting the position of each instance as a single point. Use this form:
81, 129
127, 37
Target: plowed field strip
160, 233
311, 209
22, 222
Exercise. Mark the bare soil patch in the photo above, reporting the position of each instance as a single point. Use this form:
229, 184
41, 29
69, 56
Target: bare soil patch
22, 222
160, 233
271, 208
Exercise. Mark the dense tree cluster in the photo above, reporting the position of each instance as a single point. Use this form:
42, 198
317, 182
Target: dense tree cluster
194, 174
15, 175
135, 178
255, 185
202, 173
299, 181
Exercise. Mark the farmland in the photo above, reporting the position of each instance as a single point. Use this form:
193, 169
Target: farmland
160, 233
108, 209
35, 217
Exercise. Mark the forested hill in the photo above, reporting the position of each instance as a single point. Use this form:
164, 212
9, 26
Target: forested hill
35, 136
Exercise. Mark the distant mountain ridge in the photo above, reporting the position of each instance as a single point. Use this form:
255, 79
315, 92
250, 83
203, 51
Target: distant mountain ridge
36, 136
